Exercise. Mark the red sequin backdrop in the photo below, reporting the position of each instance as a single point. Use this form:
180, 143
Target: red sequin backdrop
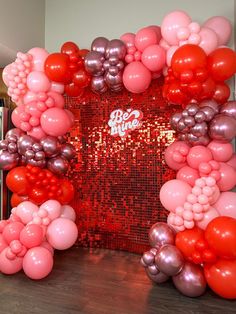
117, 181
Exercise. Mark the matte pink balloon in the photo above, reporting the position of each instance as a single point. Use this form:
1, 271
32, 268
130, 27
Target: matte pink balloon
62, 233
145, 37
156, 29
197, 155
222, 26
38, 82
176, 153
3, 243
16, 116
128, 39
173, 194
59, 100
154, 58
32, 109
136, 77
37, 263
25, 211
209, 40
68, 212
37, 132
228, 177
5, 73
55, 122
29, 97
171, 24
221, 151
232, 161
31, 236
12, 231
188, 175
48, 246
208, 217
39, 57
226, 204
9, 267
53, 208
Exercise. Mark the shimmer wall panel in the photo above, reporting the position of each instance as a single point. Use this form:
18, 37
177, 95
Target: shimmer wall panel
118, 179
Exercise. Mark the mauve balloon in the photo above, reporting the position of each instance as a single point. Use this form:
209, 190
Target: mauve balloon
25, 143
160, 234
7, 160
37, 147
58, 165
158, 278
100, 44
175, 119
116, 48
39, 156
189, 121
229, 108
192, 109
113, 70
190, 281
12, 148
29, 154
51, 146
200, 116
94, 63
209, 113
148, 258
16, 132
210, 103
199, 129
223, 128
153, 270
112, 80
98, 84
68, 151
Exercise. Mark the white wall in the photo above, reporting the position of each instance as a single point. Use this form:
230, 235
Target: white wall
83, 20
22, 26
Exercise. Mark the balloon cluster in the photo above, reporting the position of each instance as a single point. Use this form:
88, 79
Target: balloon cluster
28, 238
50, 151
37, 185
67, 67
105, 62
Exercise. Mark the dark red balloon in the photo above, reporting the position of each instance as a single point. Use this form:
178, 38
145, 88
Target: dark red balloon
70, 48
81, 78
73, 90
68, 191
222, 93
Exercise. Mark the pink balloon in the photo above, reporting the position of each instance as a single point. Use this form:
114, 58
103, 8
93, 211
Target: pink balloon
164, 44
16, 116
55, 122
173, 194
221, 26
38, 82
228, 177
170, 53
197, 155
12, 231
171, 24
5, 73
32, 109
128, 39
47, 246
37, 263
8, 266
71, 117
57, 87
176, 153
39, 57
154, 58
232, 161
31, 236
209, 40
146, 37
37, 132
25, 211
226, 204
221, 151
208, 217
62, 233
53, 208
68, 212
3, 224
136, 77
3, 243
188, 175
29, 97
156, 29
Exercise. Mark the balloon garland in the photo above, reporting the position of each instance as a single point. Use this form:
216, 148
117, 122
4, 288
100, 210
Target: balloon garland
196, 246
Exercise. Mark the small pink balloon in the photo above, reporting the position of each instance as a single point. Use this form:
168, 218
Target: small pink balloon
3, 244
154, 58
194, 39
39, 57
55, 122
53, 208
170, 53
32, 109
12, 231
47, 246
226, 204
31, 236
221, 151
146, 37
182, 149
128, 39
16, 115
188, 175
38, 82
57, 87
228, 177
37, 132
164, 44
232, 161
7, 266
209, 40
221, 26
37, 263
197, 155
68, 212
29, 97
25, 211
5, 73
156, 29
207, 218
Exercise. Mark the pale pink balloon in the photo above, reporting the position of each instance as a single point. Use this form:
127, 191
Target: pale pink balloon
197, 155
7, 266
37, 263
29, 97
55, 122
173, 194
188, 175
228, 177
154, 58
221, 151
226, 204
3, 243
62, 233
16, 116
222, 26
157, 29
38, 82
5, 73
68, 212
48, 246
146, 37
171, 24
208, 217
57, 87
12, 231
37, 132
25, 211
209, 40
53, 208
128, 39
164, 44
39, 57
176, 153
232, 161
169, 54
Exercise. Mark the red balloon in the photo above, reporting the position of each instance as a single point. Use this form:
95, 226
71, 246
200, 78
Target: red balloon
16, 181
81, 78
208, 89
73, 90
222, 64
70, 48
194, 88
221, 278
38, 196
67, 192
57, 67
222, 93
221, 236
175, 94
17, 199
83, 53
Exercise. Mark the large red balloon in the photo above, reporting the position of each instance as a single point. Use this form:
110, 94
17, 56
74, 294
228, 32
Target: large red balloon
17, 182
221, 236
221, 277
57, 67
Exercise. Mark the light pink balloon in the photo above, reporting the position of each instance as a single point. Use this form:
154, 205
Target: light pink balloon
47, 246
68, 212
53, 208
136, 77
5, 73
209, 40
232, 161
226, 204
128, 39
222, 26
39, 57
62, 233
10, 267
228, 177
175, 154
157, 29
12, 231
171, 24
154, 58
37, 132
3, 243
164, 44
197, 155
188, 175
25, 211
146, 37
55, 122
37, 263
38, 82
169, 54
29, 97
208, 217
173, 194
57, 87
221, 151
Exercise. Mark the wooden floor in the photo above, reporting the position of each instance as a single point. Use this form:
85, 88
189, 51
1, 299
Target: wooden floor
100, 282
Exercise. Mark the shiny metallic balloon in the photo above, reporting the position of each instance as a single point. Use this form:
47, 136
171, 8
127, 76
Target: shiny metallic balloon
4, 144
94, 63
100, 44
229, 108
68, 151
169, 260
16, 132
199, 129
37, 147
223, 128
112, 80
148, 258
160, 234
51, 146
58, 165
116, 48
7, 160
12, 148
210, 103
158, 278
98, 84
209, 113
191, 280
25, 142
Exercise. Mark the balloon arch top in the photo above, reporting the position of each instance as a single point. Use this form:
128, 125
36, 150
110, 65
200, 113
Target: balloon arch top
199, 237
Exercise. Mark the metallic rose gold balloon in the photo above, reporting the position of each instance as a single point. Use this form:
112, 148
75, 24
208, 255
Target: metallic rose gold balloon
25, 142
160, 234
58, 165
153, 270
94, 63
7, 160
100, 44
210, 103
229, 108
116, 48
148, 258
223, 128
68, 151
16, 132
51, 146
158, 278
98, 84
